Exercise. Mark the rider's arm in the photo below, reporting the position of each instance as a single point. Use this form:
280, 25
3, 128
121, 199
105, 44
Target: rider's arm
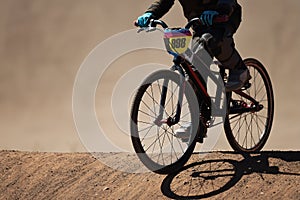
160, 7
226, 7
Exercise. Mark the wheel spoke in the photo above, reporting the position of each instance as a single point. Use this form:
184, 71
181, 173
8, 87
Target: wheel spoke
249, 131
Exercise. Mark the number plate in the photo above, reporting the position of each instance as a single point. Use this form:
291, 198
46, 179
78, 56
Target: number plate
177, 40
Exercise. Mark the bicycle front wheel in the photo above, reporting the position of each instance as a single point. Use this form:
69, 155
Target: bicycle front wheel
153, 137
249, 131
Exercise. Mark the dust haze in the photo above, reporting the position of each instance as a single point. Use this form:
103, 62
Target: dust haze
43, 43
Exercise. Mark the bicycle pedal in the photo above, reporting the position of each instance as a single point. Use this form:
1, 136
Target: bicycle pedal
202, 134
200, 139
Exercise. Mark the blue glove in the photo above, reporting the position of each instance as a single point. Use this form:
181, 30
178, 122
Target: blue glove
207, 17
143, 20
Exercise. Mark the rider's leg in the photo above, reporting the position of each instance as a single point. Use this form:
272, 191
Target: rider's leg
221, 46
231, 59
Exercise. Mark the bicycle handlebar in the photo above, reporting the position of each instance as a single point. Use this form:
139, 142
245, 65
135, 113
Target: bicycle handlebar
154, 23
217, 19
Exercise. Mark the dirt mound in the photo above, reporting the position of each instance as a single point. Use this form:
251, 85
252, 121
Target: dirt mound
220, 175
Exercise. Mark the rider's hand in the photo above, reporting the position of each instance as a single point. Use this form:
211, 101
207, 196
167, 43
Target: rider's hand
207, 17
143, 20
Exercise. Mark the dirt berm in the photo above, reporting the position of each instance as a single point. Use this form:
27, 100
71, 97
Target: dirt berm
219, 175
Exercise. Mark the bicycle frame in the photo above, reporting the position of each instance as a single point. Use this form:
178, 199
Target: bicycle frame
189, 73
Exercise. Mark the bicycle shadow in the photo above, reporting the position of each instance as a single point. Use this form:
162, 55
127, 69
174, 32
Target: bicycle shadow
210, 177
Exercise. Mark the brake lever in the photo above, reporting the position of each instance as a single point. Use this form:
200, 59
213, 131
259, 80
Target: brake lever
146, 29
141, 30
151, 29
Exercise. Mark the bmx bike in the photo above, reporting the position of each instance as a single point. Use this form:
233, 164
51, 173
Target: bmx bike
168, 99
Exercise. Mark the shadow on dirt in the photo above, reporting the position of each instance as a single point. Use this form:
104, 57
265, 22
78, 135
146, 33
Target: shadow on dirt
214, 176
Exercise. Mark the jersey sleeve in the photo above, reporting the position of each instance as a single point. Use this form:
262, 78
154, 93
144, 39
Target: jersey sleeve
160, 7
226, 6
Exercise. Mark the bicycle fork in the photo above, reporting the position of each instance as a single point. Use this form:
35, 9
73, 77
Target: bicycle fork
171, 120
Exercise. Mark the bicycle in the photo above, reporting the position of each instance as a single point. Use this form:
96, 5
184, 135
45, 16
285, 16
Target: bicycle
167, 99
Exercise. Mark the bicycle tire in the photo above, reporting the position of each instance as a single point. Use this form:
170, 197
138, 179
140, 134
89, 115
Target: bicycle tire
240, 132
139, 143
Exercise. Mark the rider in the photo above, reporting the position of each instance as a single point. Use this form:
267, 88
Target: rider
218, 37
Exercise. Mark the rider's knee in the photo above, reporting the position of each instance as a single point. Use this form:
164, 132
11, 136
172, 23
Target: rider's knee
211, 43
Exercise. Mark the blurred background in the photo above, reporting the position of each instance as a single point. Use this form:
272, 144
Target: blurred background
43, 43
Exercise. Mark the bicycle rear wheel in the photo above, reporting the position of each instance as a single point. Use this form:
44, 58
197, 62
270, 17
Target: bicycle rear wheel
249, 131
155, 142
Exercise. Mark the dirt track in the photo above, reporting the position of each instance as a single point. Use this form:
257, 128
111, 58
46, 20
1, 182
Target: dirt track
224, 175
